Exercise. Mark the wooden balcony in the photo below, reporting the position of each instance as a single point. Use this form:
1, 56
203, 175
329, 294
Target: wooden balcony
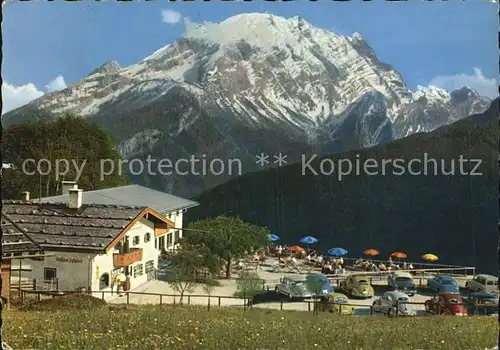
125, 259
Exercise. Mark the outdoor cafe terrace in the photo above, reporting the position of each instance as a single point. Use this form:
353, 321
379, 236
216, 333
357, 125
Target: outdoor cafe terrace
370, 260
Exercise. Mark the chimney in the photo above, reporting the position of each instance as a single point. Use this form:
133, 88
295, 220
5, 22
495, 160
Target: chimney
67, 185
75, 197
26, 196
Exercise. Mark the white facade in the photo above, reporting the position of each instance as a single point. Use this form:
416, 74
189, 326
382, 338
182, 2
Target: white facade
81, 270
172, 236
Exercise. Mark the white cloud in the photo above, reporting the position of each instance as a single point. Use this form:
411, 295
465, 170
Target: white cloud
171, 16
56, 84
17, 96
484, 86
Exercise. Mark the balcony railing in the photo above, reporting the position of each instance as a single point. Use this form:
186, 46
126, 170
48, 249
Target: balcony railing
125, 259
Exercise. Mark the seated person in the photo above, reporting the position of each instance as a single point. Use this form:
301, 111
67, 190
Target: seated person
327, 268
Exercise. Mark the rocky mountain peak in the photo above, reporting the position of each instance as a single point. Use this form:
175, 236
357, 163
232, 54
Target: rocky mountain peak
256, 76
108, 67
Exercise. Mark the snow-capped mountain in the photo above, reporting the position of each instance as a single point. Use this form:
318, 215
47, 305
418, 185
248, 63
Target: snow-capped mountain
250, 84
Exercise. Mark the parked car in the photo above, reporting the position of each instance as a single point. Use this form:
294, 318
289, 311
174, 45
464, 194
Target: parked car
335, 303
319, 285
403, 282
392, 303
294, 287
483, 283
357, 286
443, 284
446, 304
489, 300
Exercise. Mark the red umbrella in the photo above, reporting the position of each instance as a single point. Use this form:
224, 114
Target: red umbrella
371, 252
399, 255
296, 248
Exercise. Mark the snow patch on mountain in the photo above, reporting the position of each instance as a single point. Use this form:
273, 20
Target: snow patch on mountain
262, 70
140, 141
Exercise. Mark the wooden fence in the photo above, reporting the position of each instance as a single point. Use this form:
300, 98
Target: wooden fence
245, 302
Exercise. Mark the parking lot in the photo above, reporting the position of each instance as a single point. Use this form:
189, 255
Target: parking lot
272, 300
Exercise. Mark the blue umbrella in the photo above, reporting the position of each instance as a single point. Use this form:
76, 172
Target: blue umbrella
337, 252
309, 240
272, 237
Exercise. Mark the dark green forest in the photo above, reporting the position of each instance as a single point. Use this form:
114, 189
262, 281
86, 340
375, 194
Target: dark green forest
71, 138
452, 216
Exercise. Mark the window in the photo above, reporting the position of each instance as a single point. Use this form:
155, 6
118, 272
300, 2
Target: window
489, 301
104, 281
149, 266
161, 243
404, 279
447, 282
49, 273
177, 235
138, 270
147, 237
136, 240
119, 246
169, 240
156, 243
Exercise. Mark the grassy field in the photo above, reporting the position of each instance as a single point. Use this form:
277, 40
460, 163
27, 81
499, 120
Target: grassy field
94, 325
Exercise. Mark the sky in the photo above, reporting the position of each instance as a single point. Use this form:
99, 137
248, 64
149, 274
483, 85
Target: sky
50, 45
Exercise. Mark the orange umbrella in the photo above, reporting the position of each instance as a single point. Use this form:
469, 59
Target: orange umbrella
399, 255
296, 248
371, 252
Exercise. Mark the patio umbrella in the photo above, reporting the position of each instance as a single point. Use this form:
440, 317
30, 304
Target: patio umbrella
308, 240
430, 257
337, 252
272, 237
295, 248
399, 255
371, 252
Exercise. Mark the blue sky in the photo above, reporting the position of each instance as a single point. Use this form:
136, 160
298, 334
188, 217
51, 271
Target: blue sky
50, 45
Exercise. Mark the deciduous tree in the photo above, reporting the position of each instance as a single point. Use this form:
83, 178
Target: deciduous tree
227, 238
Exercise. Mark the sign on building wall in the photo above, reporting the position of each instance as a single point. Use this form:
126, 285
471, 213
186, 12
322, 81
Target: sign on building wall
97, 272
69, 260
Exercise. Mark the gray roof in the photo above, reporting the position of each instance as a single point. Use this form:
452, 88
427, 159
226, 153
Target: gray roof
296, 278
488, 277
402, 274
57, 227
15, 242
135, 195
397, 295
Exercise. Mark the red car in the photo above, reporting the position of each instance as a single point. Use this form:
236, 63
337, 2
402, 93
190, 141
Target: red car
446, 304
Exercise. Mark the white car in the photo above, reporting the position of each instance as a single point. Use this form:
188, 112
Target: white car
483, 283
388, 304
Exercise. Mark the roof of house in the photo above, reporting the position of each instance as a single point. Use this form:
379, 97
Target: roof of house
57, 227
135, 195
14, 241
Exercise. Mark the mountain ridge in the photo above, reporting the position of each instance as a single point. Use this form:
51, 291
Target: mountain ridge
283, 81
